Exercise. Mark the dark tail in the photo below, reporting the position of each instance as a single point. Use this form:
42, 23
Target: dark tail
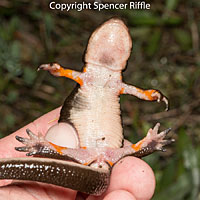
62, 173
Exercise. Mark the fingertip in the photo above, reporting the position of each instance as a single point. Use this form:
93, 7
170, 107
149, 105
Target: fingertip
119, 195
114, 195
134, 175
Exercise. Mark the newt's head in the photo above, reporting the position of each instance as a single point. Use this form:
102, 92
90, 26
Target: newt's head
110, 45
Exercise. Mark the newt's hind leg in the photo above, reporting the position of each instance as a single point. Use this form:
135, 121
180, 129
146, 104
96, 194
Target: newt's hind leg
37, 145
152, 142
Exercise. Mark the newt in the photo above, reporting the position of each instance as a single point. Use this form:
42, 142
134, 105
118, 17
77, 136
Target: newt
93, 112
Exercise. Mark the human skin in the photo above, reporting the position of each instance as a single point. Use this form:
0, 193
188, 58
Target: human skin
131, 177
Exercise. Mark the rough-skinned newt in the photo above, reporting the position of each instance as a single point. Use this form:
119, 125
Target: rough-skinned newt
92, 111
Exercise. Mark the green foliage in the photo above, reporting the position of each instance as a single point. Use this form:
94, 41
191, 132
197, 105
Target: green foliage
180, 179
148, 18
10, 57
29, 76
10, 120
172, 4
153, 42
143, 18
183, 38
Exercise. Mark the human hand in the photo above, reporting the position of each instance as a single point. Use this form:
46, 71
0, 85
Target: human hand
131, 177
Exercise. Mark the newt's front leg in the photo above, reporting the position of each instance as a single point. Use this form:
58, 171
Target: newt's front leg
149, 95
56, 70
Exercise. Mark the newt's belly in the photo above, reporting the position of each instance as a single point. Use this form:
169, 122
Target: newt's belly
97, 120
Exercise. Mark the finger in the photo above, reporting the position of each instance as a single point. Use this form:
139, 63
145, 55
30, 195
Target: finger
34, 191
119, 195
115, 195
133, 175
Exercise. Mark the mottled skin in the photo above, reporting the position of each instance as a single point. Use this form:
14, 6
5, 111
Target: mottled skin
92, 112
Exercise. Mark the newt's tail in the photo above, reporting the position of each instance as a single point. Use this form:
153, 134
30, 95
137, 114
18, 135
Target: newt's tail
62, 173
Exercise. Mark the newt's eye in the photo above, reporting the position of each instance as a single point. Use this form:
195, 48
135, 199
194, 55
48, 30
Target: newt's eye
110, 45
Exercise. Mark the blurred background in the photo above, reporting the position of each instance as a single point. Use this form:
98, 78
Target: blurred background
165, 56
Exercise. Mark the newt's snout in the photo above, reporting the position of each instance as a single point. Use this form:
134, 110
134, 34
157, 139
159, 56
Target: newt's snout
110, 45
